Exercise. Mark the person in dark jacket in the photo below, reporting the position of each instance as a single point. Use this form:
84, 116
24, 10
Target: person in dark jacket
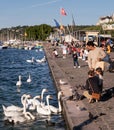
92, 85
75, 59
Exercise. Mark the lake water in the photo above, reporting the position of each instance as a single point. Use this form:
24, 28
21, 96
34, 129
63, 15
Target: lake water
12, 64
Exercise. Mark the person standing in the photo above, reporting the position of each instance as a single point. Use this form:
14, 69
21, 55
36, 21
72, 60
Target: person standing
75, 59
64, 50
95, 56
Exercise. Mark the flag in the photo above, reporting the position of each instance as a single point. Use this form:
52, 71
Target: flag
63, 12
57, 24
62, 27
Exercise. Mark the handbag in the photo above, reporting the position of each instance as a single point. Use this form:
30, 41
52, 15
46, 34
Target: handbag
94, 95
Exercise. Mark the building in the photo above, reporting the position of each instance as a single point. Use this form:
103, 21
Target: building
105, 19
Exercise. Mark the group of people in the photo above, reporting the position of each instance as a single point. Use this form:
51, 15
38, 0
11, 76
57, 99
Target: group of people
96, 60
94, 84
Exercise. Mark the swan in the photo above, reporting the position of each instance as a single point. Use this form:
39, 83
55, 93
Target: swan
41, 110
34, 102
13, 107
9, 112
30, 61
21, 118
41, 60
19, 82
41, 49
55, 109
31, 103
42, 96
29, 79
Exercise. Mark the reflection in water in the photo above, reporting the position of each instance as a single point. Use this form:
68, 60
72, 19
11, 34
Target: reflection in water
12, 64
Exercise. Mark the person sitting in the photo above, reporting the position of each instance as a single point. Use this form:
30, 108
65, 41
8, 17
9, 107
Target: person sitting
99, 73
92, 85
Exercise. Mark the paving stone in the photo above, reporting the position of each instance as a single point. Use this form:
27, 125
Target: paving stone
103, 110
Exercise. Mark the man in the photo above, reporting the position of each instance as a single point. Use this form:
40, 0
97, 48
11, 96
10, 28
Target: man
95, 56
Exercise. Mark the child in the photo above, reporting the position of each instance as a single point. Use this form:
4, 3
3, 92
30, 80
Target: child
75, 59
99, 73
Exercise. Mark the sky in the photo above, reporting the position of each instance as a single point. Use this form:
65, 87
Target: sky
35, 12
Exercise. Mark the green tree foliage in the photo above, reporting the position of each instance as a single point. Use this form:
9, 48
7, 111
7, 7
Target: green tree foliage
40, 32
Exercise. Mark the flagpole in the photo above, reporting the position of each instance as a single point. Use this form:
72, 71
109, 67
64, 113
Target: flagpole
60, 24
73, 24
62, 13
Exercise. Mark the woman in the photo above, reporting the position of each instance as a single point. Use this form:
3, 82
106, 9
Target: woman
92, 85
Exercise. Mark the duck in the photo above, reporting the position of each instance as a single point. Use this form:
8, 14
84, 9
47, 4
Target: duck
29, 79
59, 108
41, 110
31, 61
19, 82
50, 123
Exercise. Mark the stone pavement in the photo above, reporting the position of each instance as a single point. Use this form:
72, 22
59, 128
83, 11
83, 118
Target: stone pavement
85, 116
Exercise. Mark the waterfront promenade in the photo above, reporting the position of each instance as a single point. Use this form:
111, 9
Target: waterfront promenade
81, 115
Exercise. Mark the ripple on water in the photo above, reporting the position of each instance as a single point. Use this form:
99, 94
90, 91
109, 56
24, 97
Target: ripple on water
12, 64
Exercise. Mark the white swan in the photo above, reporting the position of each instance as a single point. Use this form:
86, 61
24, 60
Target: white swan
16, 117
14, 110
41, 60
41, 110
42, 96
29, 79
21, 118
55, 109
13, 107
19, 82
32, 103
30, 61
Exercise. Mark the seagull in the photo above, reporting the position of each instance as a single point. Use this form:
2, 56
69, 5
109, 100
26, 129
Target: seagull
62, 82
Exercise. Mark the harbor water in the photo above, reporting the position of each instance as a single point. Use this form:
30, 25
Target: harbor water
12, 64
